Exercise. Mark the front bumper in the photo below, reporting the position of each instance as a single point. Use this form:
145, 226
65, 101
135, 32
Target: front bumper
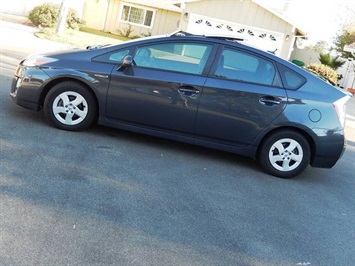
27, 87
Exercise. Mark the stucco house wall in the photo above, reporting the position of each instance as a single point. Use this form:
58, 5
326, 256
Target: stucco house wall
307, 56
108, 17
94, 13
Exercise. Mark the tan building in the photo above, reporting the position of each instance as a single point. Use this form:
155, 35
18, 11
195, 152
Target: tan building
251, 20
141, 16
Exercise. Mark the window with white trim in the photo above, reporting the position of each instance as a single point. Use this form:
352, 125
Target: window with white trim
139, 16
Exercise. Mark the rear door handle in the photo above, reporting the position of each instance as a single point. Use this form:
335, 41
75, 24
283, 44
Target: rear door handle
269, 100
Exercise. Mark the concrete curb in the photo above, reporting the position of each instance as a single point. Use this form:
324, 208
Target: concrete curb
14, 18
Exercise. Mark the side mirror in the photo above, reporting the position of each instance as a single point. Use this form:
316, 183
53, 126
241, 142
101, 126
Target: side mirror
127, 61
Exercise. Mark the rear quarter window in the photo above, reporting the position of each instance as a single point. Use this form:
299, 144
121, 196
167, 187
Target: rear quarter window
291, 79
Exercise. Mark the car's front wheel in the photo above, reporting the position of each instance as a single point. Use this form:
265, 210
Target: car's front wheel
70, 106
285, 154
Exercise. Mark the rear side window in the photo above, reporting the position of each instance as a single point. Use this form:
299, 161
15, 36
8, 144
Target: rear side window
242, 66
291, 80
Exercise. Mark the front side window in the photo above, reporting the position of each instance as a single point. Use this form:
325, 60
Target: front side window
137, 15
242, 66
182, 57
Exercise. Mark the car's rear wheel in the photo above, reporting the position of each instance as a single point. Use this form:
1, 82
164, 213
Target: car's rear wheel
70, 106
284, 154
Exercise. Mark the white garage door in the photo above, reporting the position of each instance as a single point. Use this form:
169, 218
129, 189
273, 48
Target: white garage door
264, 39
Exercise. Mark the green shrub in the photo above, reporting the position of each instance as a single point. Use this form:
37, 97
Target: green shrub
324, 71
125, 32
73, 21
46, 15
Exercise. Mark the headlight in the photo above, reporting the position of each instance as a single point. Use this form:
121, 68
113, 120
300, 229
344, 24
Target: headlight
38, 60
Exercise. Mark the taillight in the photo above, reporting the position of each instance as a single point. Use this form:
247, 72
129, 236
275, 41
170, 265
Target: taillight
340, 108
38, 60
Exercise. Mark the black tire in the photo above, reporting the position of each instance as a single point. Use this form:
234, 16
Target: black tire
70, 106
284, 154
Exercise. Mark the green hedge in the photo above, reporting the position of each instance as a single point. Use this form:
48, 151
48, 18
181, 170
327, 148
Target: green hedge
46, 15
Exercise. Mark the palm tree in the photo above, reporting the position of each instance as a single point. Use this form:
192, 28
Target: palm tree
333, 62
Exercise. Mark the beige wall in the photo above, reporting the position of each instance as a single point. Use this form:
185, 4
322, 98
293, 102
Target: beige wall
244, 12
98, 14
94, 13
307, 56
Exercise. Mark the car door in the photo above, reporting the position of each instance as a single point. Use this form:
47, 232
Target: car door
162, 88
242, 96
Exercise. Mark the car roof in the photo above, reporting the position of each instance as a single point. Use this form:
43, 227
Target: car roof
232, 38
182, 35
229, 40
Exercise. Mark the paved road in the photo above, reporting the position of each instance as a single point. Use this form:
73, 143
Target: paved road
106, 196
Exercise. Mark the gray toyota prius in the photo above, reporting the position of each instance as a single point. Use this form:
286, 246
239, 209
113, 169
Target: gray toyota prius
208, 91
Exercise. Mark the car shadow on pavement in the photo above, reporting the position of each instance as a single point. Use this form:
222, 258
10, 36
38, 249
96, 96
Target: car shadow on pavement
171, 146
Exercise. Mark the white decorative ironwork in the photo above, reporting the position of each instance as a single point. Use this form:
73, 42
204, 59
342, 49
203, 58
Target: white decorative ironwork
258, 37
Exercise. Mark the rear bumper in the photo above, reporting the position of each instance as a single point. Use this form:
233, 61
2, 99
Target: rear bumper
328, 152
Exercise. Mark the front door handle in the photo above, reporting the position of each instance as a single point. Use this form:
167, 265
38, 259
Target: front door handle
188, 91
